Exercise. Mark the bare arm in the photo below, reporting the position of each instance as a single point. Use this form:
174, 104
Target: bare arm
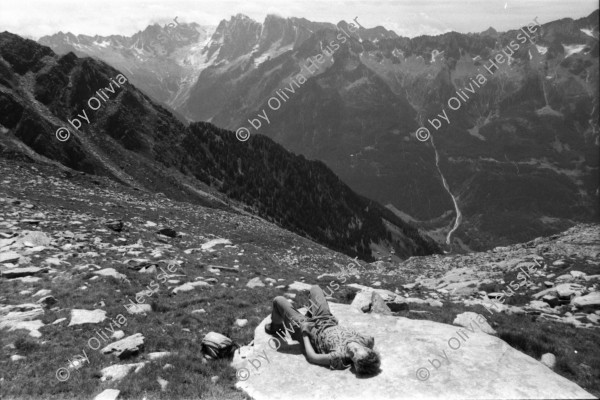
311, 356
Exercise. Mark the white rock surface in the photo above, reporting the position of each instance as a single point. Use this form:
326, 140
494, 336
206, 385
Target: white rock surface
110, 272
212, 243
362, 301
119, 371
108, 394
474, 322
79, 317
186, 287
482, 367
299, 286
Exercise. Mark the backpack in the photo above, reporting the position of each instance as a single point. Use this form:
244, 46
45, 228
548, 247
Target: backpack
215, 345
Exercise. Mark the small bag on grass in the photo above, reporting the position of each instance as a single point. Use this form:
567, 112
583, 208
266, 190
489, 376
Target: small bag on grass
216, 345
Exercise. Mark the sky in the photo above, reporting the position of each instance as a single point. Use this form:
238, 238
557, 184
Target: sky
36, 18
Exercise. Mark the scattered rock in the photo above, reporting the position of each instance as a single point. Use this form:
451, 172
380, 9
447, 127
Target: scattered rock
108, 394
299, 286
241, 322
33, 239
42, 292
124, 348
212, 243
22, 316
9, 257
139, 309
22, 272
47, 301
163, 383
117, 335
115, 224
167, 232
589, 302
255, 282
79, 317
119, 371
186, 287
549, 360
158, 355
110, 272
578, 274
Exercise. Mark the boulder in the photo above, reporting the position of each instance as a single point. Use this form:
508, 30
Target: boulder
549, 360
589, 302
124, 348
378, 306
362, 301
386, 295
484, 366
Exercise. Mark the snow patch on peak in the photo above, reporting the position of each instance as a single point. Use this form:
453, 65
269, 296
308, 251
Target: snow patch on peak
573, 49
589, 32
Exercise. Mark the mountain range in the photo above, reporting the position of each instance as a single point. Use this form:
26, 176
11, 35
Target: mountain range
517, 160
125, 135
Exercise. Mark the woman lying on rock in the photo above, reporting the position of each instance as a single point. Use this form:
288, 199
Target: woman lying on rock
336, 346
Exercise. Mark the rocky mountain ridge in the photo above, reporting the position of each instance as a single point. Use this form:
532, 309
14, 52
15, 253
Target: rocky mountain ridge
129, 138
534, 122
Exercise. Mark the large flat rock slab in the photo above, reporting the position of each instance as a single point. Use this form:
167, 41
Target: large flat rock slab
476, 365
